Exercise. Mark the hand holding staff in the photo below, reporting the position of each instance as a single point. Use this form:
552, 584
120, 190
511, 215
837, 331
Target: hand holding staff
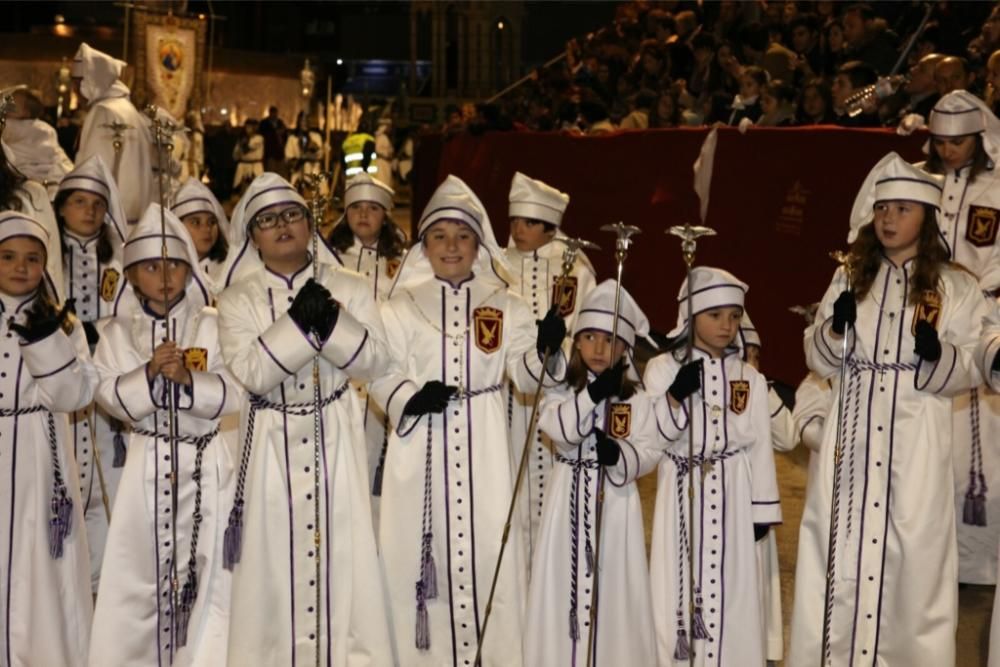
689, 236
573, 246
844, 316
622, 244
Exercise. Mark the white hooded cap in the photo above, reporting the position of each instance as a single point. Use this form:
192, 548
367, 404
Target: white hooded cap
535, 200
365, 188
15, 223
267, 190
93, 175
597, 313
710, 288
893, 178
455, 201
146, 241
960, 113
194, 197
748, 334
98, 71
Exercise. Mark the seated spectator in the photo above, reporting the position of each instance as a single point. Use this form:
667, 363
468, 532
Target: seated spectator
833, 47
759, 49
595, 117
920, 92
851, 77
642, 104
703, 47
777, 103
952, 73
667, 112
747, 103
805, 33
869, 39
993, 82
816, 104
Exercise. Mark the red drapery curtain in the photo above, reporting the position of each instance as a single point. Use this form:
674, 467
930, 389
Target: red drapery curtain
780, 201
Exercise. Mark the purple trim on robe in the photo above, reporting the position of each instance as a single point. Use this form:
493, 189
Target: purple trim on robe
524, 360
885, 531
273, 358
326, 520
579, 418
624, 460
291, 501
472, 495
722, 566
868, 439
806, 425
13, 505
562, 426
447, 485
825, 349
160, 586
58, 370
121, 402
222, 403
236, 262
356, 352
725, 407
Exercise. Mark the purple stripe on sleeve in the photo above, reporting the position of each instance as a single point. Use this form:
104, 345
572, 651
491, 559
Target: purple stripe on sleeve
273, 358
58, 370
356, 352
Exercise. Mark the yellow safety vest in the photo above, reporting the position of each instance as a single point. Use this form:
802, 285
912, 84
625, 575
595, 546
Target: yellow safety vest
354, 155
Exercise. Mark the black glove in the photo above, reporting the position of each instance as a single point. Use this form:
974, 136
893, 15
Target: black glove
608, 383
845, 311
313, 309
40, 323
687, 381
91, 331
760, 531
926, 343
431, 398
785, 392
551, 332
608, 451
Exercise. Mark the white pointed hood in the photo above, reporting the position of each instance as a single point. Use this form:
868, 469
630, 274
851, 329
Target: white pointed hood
892, 178
100, 73
455, 201
265, 191
93, 175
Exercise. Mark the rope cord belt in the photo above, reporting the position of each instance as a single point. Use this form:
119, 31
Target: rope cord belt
233, 538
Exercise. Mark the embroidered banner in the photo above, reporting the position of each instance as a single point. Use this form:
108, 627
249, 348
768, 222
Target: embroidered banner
170, 66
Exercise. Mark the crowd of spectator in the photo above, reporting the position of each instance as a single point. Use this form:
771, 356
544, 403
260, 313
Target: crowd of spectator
671, 64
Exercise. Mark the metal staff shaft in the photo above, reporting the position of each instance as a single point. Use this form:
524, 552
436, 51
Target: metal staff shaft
162, 131
838, 456
317, 204
622, 244
92, 419
689, 244
569, 258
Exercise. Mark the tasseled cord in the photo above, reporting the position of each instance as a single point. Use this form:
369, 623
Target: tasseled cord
232, 540
188, 595
698, 629
682, 650
120, 451
427, 583
60, 522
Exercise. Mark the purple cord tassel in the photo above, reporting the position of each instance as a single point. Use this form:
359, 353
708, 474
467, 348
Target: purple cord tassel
423, 629
233, 537
698, 629
377, 482
429, 570
574, 625
968, 509
979, 510
188, 595
589, 553
682, 651
59, 524
120, 452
